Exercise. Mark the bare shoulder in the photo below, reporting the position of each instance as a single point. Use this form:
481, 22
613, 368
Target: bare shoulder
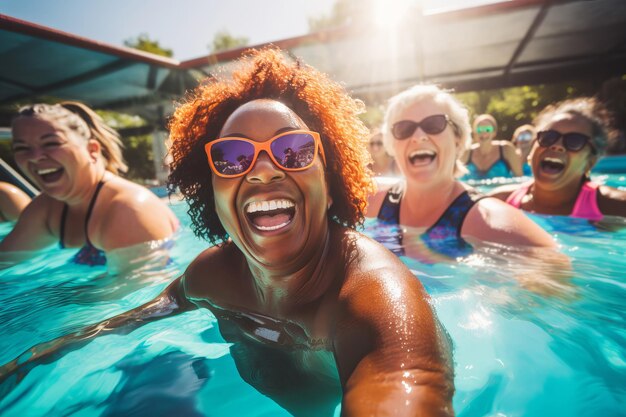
124, 193
503, 192
505, 144
375, 273
210, 274
611, 201
127, 214
495, 221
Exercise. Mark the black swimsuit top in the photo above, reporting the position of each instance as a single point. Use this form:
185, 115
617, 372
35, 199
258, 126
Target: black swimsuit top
88, 254
444, 236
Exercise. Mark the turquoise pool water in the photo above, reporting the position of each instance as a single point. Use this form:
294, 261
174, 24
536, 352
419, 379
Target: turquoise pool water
551, 345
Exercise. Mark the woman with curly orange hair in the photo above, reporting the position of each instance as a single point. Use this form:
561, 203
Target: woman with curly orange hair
316, 313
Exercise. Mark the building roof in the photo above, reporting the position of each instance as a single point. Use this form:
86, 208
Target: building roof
497, 45
519, 42
41, 63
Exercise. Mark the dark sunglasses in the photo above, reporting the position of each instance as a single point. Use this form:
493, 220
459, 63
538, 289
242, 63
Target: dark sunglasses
573, 142
233, 157
431, 125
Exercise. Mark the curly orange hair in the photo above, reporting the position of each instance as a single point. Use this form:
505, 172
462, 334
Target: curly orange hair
320, 102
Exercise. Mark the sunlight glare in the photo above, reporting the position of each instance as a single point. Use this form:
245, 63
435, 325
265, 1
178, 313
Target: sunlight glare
388, 14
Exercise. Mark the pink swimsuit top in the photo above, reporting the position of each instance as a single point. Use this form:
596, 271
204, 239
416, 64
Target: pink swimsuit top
586, 206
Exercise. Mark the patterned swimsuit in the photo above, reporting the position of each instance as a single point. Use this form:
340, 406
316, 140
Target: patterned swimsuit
443, 237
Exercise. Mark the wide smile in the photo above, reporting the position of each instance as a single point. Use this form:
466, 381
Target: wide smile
49, 175
551, 166
270, 216
422, 157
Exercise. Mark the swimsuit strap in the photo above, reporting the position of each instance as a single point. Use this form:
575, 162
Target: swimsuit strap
389, 212
92, 203
62, 230
586, 206
515, 198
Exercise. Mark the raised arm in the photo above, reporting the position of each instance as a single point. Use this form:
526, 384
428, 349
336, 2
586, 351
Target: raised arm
512, 158
170, 302
393, 355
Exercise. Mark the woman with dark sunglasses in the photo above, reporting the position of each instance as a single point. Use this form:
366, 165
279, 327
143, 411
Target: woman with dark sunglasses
426, 129
316, 313
490, 158
571, 136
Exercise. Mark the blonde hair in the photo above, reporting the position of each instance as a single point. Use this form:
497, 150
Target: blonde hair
457, 112
81, 119
485, 117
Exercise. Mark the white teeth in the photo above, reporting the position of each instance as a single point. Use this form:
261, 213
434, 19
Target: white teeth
47, 171
553, 160
423, 152
268, 206
278, 226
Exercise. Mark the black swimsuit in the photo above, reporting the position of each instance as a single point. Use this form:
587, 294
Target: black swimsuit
88, 254
444, 236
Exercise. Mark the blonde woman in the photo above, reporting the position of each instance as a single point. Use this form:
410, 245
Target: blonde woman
426, 129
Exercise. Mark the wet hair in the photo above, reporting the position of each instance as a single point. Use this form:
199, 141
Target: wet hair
84, 121
457, 112
587, 108
320, 102
485, 117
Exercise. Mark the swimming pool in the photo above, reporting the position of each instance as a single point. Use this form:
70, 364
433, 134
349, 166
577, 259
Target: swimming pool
559, 350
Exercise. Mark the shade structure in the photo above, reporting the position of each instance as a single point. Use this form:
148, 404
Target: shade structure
504, 44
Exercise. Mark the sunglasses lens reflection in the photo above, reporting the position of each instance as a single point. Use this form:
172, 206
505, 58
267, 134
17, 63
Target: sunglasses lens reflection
232, 157
294, 151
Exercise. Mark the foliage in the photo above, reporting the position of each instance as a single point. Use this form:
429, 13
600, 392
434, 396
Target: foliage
139, 156
223, 41
516, 106
144, 43
373, 116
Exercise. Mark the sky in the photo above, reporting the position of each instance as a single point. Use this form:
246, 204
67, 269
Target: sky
185, 26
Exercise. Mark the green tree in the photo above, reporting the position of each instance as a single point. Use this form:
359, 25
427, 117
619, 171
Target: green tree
516, 106
144, 43
223, 41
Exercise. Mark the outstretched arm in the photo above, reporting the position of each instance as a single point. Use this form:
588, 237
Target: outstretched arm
170, 302
513, 158
393, 356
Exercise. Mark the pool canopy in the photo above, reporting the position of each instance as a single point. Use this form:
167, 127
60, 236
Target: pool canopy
520, 42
